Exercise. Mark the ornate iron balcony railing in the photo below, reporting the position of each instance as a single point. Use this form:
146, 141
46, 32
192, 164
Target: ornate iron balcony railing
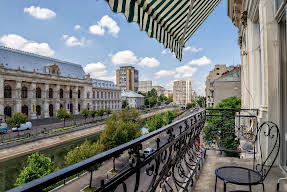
170, 167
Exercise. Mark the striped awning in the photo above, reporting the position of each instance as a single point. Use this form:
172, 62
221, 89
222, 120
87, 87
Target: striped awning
171, 22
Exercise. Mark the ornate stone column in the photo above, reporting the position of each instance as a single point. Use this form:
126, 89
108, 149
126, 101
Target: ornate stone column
32, 98
18, 96
45, 96
57, 98
67, 96
76, 101
1, 98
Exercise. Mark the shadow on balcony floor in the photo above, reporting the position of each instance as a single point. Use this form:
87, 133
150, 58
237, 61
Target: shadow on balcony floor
206, 180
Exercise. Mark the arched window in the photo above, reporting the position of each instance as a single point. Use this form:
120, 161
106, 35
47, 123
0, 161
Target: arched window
25, 110
88, 106
79, 107
38, 92
8, 111
61, 94
79, 94
50, 93
71, 108
71, 94
61, 106
38, 110
7, 91
51, 110
24, 92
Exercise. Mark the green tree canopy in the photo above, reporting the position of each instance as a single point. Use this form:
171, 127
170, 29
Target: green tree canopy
37, 166
155, 123
17, 119
63, 115
125, 104
220, 129
85, 113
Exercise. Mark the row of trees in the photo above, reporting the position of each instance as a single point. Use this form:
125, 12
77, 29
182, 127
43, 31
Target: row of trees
198, 100
160, 120
121, 127
152, 99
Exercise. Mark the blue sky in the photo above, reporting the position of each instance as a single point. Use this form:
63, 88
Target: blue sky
89, 33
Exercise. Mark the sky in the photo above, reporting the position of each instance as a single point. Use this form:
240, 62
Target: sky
90, 34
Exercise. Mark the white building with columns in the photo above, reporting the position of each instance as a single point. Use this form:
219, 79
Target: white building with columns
262, 39
38, 86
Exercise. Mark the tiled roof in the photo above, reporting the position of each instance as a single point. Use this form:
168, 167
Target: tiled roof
104, 84
130, 94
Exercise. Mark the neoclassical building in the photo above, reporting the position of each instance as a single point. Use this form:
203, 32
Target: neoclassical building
38, 86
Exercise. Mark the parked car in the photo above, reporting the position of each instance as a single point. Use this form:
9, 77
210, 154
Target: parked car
24, 126
148, 151
3, 128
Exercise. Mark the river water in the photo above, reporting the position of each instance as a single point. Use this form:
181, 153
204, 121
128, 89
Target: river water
9, 170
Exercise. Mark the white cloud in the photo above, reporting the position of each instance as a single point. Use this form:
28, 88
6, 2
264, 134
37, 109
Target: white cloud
199, 86
40, 13
96, 69
77, 27
192, 49
164, 52
72, 41
201, 61
126, 57
184, 71
108, 23
149, 62
108, 78
163, 73
20, 43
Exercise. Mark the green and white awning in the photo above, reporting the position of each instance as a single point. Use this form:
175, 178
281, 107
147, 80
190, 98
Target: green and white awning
171, 22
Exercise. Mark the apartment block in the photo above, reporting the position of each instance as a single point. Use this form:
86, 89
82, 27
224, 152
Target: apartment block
182, 92
127, 78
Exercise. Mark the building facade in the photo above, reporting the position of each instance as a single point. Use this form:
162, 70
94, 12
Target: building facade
228, 85
134, 99
167, 93
39, 86
159, 89
145, 86
214, 74
182, 92
127, 78
262, 39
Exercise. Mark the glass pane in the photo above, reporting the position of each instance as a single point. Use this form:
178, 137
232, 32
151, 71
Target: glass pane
278, 4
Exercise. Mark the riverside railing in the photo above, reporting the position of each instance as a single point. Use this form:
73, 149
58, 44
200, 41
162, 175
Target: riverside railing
170, 166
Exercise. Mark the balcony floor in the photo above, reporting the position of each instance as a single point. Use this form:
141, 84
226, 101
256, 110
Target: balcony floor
206, 180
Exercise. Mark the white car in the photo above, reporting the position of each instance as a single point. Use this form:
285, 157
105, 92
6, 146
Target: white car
148, 151
24, 126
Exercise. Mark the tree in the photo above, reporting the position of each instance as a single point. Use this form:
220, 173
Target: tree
220, 128
143, 94
37, 166
85, 113
169, 116
83, 152
108, 111
155, 123
169, 99
190, 105
93, 113
17, 119
101, 112
201, 101
152, 93
125, 104
63, 115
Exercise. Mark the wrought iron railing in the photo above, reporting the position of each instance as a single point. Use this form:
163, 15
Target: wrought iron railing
170, 167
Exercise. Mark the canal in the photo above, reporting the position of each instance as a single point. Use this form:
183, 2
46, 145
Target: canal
9, 170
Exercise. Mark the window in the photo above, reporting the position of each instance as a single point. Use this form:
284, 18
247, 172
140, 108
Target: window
7, 91
217, 73
98, 95
79, 94
38, 92
94, 94
61, 93
24, 92
61, 106
88, 95
71, 108
24, 110
38, 110
50, 93
51, 110
71, 94
217, 68
79, 107
8, 111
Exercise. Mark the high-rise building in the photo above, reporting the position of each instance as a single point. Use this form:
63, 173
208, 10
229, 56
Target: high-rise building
128, 78
182, 92
145, 86
214, 74
159, 89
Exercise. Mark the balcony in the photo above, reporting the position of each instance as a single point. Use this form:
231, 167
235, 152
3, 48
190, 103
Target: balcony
178, 161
